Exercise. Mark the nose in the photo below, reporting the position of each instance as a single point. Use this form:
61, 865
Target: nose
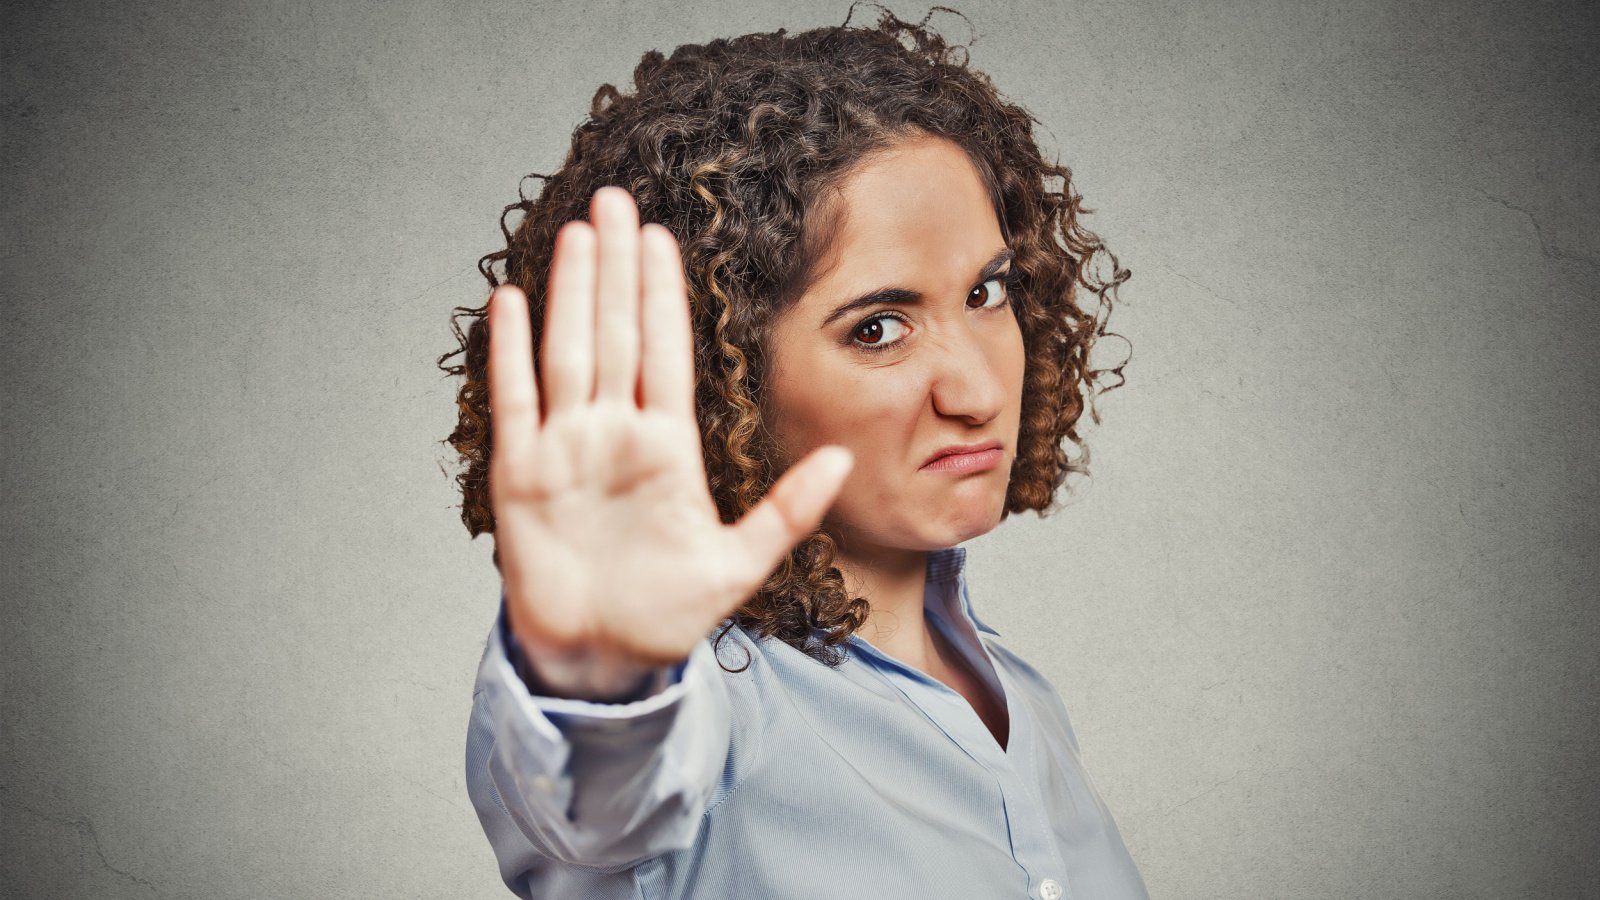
967, 380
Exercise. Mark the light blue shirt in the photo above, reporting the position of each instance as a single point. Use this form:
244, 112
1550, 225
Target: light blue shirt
794, 780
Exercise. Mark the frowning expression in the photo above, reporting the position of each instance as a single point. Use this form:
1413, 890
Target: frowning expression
906, 343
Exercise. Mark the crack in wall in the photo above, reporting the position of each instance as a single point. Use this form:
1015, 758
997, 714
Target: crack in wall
85, 828
1547, 247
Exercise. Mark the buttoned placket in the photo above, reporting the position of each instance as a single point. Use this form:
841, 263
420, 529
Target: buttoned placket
1012, 768
1047, 871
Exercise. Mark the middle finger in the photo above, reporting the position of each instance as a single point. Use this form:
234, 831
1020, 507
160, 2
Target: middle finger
616, 219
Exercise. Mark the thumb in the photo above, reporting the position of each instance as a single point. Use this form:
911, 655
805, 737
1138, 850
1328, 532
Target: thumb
791, 510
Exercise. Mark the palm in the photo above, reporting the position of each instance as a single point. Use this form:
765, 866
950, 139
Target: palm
609, 542
620, 534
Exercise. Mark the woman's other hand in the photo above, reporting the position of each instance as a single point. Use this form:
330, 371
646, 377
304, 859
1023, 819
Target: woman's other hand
614, 558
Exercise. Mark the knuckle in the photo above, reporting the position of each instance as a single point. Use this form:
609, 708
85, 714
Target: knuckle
510, 404
561, 360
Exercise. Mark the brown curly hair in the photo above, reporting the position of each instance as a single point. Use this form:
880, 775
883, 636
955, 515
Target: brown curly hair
734, 146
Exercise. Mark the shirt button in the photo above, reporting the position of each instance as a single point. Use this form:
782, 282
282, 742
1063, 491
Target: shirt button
544, 784
1049, 889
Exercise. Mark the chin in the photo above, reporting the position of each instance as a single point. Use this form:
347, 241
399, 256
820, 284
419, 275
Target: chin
977, 525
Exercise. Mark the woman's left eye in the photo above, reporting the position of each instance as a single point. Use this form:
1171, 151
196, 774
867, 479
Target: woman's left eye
989, 294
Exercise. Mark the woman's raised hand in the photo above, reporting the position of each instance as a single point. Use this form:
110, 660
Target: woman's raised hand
614, 558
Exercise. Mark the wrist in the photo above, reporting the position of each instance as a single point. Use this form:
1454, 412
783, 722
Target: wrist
550, 671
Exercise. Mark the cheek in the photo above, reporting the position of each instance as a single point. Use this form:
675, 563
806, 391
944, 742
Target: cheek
878, 414
1015, 365
876, 419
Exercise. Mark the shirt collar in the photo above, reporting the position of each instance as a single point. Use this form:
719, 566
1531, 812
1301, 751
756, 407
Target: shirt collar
950, 565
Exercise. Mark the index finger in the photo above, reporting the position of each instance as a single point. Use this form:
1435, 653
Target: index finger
513, 394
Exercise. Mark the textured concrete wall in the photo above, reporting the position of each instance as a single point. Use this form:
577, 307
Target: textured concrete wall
1325, 616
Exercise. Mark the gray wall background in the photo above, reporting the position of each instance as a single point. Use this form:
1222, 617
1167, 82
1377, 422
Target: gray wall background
1325, 616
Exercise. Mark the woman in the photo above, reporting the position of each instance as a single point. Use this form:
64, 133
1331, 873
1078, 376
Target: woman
736, 653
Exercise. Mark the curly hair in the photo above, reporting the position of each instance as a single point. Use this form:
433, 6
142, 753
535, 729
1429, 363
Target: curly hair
735, 146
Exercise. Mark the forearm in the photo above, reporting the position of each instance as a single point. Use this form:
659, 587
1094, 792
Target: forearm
571, 780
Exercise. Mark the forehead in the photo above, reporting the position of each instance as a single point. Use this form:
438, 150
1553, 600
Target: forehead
918, 211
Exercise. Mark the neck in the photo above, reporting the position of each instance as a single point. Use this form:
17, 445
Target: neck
893, 581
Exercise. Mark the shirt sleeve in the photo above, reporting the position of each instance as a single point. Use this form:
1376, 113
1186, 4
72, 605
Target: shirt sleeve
598, 785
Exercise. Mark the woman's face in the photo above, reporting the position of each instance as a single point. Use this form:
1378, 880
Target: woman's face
897, 381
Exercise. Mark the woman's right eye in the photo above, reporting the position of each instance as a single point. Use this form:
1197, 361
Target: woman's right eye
875, 324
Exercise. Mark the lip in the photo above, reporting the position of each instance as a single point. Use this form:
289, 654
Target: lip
962, 450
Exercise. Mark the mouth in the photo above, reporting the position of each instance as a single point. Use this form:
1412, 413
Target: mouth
965, 457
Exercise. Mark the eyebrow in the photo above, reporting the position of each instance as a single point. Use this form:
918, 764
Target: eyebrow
908, 297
